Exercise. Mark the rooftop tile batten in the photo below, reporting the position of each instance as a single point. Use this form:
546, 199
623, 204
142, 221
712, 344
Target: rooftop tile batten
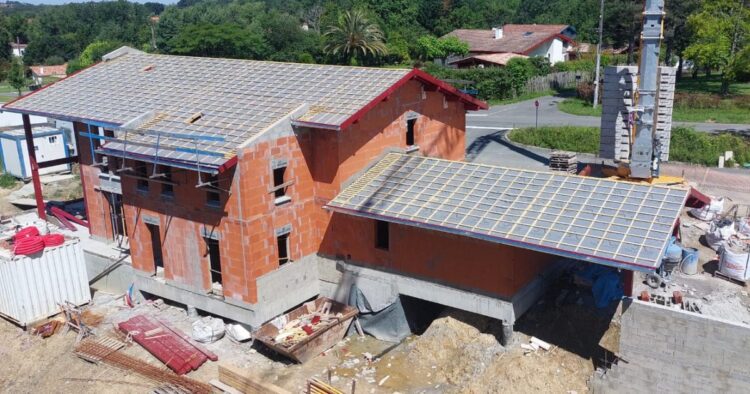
608, 222
238, 98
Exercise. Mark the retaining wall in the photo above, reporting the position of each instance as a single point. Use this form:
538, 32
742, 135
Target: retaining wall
673, 351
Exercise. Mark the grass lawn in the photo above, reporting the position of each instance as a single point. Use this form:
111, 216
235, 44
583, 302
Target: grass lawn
696, 100
727, 112
686, 144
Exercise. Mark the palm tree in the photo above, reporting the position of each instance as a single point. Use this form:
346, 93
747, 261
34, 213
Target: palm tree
354, 36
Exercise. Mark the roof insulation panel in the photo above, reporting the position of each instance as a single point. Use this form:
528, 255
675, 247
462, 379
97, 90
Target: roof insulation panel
236, 99
604, 221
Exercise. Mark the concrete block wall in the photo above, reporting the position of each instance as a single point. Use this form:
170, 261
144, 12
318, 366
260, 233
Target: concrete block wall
615, 133
673, 351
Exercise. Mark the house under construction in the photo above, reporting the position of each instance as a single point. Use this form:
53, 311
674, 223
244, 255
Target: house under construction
245, 188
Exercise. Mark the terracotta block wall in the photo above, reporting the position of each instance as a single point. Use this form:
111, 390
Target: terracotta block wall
453, 260
97, 205
318, 162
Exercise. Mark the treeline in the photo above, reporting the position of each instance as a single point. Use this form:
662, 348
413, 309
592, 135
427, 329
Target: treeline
273, 29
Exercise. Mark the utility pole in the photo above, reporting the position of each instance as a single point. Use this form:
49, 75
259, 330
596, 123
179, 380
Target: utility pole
598, 54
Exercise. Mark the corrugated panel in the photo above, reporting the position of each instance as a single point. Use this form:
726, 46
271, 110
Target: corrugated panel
32, 287
608, 222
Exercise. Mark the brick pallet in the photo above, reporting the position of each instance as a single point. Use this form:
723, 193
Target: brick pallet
563, 162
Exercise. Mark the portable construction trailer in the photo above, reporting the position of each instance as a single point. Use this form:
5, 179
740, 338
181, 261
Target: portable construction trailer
50, 144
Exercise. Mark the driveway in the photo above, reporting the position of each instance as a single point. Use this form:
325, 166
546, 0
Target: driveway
522, 114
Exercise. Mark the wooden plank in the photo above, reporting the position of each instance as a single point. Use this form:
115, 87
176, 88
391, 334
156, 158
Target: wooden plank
247, 381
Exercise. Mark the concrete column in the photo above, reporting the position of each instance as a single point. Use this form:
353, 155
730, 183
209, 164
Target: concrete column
507, 337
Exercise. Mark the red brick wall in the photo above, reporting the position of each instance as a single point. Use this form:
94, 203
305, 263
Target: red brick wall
319, 161
450, 259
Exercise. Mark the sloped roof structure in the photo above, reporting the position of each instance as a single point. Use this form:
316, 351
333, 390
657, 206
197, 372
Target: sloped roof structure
196, 112
614, 223
499, 59
521, 39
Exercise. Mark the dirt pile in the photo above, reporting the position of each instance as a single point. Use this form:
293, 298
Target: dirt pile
459, 344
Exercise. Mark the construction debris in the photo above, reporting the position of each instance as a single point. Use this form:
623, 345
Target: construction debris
563, 162
74, 320
106, 350
169, 345
309, 330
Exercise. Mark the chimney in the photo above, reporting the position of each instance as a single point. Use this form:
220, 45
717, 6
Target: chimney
498, 32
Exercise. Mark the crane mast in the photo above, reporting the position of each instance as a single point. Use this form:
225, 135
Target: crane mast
645, 152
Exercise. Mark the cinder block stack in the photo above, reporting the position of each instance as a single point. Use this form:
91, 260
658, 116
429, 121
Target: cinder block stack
563, 161
618, 80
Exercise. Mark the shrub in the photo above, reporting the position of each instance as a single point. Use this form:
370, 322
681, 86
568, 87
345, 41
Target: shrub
585, 92
7, 181
697, 100
690, 146
569, 138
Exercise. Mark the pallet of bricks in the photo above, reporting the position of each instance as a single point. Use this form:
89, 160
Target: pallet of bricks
563, 161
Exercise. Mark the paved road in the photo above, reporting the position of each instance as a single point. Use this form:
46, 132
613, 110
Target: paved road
522, 114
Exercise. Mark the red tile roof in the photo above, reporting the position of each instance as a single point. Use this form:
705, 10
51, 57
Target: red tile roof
50, 71
500, 59
520, 39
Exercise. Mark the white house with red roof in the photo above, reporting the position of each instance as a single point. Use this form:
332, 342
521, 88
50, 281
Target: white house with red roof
550, 41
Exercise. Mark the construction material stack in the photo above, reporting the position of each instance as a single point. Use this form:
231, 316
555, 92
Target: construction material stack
562, 161
616, 124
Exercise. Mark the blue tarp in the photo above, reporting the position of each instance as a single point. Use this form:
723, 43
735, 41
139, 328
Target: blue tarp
606, 284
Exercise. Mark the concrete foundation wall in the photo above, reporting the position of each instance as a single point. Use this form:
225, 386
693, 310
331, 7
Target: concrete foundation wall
615, 132
382, 287
117, 281
672, 351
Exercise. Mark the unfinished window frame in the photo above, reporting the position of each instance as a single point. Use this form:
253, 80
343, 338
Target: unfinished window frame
213, 194
280, 184
141, 178
154, 231
167, 187
382, 235
212, 245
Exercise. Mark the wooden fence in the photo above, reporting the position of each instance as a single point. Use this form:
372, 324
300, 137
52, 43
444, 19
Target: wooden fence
561, 80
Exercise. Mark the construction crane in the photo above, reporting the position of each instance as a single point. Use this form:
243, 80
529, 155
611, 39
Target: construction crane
645, 151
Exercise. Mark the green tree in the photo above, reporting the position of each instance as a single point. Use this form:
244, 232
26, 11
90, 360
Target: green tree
17, 75
430, 47
92, 54
354, 37
722, 34
223, 40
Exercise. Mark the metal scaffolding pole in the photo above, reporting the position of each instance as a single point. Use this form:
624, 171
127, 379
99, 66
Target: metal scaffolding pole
598, 54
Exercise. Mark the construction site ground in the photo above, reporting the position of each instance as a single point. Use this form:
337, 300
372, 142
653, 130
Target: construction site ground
56, 187
457, 353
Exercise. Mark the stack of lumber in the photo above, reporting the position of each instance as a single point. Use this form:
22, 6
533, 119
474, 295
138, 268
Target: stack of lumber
563, 161
246, 381
315, 386
299, 329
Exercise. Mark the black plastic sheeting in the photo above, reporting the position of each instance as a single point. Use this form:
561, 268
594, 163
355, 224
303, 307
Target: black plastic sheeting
396, 321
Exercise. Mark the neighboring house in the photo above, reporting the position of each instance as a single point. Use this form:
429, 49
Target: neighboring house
38, 73
550, 41
18, 50
486, 60
246, 188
